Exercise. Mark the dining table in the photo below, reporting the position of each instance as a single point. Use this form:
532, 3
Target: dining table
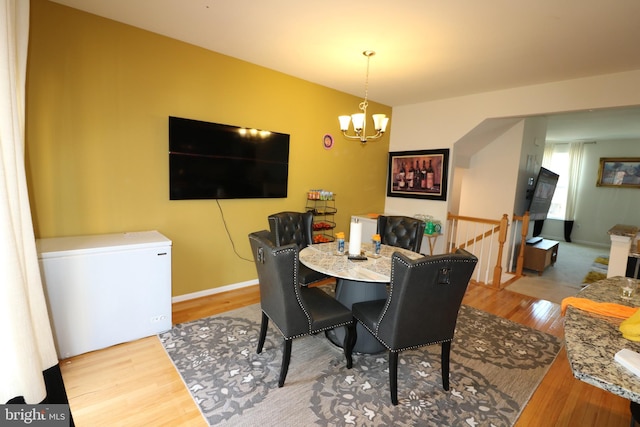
592, 341
356, 280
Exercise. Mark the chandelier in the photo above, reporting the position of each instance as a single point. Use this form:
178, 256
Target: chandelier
359, 120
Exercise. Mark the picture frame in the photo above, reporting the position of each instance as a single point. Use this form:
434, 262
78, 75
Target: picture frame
619, 172
430, 182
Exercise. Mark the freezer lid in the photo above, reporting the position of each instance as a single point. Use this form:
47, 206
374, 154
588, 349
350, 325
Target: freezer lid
99, 243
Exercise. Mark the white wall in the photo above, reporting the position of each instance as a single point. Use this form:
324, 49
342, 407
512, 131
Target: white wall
530, 161
600, 208
439, 124
491, 169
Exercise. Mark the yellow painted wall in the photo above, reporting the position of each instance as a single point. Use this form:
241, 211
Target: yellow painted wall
99, 94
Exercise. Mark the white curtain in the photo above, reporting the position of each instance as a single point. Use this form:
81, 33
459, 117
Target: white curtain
575, 165
27, 344
548, 153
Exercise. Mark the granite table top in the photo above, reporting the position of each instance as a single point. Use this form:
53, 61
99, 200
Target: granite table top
592, 341
324, 258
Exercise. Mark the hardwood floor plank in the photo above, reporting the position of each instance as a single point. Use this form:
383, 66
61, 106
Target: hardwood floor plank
130, 384
135, 384
199, 308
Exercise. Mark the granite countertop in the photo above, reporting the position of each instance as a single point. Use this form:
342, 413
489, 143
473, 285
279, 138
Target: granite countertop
593, 340
623, 230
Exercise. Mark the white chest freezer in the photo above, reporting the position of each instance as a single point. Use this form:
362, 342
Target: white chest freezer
106, 289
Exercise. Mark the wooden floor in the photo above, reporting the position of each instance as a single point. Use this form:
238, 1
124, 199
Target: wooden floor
135, 384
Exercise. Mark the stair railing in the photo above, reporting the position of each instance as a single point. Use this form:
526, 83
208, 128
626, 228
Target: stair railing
520, 228
485, 238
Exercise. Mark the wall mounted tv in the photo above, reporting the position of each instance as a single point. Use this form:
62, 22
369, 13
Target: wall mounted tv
217, 161
540, 200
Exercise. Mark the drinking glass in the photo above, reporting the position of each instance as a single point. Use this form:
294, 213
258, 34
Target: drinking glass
628, 288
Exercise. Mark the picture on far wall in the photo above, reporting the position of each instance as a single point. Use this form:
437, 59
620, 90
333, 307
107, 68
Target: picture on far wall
418, 174
619, 172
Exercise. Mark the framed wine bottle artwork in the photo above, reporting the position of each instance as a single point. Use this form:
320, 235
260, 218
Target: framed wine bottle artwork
418, 174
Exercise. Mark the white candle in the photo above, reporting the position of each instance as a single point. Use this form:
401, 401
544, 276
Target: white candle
355, 238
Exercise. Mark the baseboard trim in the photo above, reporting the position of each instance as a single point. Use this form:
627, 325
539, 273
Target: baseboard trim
213, 291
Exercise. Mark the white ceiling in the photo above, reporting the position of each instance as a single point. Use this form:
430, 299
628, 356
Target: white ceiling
600, 125
425, 49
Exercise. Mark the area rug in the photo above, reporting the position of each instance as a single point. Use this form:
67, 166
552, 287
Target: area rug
496, 365
598, 270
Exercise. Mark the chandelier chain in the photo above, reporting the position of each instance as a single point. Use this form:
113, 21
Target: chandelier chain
364, 104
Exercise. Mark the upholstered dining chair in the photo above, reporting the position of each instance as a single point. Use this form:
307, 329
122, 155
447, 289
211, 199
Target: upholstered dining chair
295, 310
421, 309
295, 227
401, 231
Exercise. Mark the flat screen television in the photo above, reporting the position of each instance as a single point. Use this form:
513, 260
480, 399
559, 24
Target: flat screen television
218, 161
540, 200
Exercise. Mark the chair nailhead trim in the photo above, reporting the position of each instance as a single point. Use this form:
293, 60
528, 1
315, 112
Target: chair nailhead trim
386, 306
305, 334
397, 350
299, 299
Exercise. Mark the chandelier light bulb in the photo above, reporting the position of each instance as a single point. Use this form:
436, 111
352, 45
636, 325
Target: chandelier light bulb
344, 122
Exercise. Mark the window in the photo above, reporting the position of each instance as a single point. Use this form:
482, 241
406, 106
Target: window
558, 162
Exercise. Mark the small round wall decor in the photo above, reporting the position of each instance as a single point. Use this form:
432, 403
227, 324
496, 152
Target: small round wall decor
327, 141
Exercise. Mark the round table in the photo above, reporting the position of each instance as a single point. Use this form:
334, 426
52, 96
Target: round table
357, 281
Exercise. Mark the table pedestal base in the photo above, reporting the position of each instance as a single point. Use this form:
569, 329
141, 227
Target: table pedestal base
349, 292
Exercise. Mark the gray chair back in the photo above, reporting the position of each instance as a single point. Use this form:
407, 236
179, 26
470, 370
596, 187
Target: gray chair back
280, 299
292, 227
297, 228
294, 310
401, 231
424, 299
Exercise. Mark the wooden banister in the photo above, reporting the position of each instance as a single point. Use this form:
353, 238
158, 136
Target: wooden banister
485, 245
479, 237
524, 230
502, 237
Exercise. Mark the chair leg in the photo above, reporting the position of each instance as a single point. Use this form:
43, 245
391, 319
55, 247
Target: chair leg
286, 356
393, 376
349, 341
444, 359
263, 332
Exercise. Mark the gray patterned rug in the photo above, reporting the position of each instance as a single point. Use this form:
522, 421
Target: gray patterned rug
496, 366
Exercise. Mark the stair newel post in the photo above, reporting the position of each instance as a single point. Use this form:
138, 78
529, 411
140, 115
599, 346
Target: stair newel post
502, 238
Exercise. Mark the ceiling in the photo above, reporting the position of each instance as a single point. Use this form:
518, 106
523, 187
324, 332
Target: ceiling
425, 49
594, 125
